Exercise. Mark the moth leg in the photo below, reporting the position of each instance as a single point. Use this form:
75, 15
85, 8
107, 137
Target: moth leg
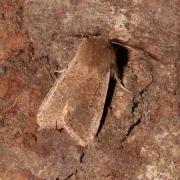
120, 83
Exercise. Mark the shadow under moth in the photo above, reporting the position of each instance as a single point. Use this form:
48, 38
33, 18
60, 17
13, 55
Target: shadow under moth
76, 101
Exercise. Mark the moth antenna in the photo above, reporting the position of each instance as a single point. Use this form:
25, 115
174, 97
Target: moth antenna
124, 46
121, 85
145, 52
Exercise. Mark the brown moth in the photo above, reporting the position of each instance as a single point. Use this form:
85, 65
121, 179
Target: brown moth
76, 101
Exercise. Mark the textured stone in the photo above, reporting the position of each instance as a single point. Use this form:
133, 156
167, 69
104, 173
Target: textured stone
139, 138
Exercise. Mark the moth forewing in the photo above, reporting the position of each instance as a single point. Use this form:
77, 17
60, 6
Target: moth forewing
48, 111
76, 102
82, 113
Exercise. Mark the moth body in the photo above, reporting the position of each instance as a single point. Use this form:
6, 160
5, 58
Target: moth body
76, 101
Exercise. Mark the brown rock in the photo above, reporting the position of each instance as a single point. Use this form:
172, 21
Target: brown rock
139, 138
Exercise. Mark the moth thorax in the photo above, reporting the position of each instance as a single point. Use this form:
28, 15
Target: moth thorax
96, 53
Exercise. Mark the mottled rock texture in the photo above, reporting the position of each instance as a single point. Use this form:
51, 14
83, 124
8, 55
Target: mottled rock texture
139, 137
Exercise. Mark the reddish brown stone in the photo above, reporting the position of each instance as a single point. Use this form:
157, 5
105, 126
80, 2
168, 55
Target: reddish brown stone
139, 138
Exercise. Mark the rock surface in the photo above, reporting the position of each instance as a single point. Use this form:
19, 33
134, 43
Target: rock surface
139, 138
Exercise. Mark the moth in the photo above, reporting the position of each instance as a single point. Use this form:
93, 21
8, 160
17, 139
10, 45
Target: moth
76, 101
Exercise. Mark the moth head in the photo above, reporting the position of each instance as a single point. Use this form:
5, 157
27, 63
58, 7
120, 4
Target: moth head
96, 53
